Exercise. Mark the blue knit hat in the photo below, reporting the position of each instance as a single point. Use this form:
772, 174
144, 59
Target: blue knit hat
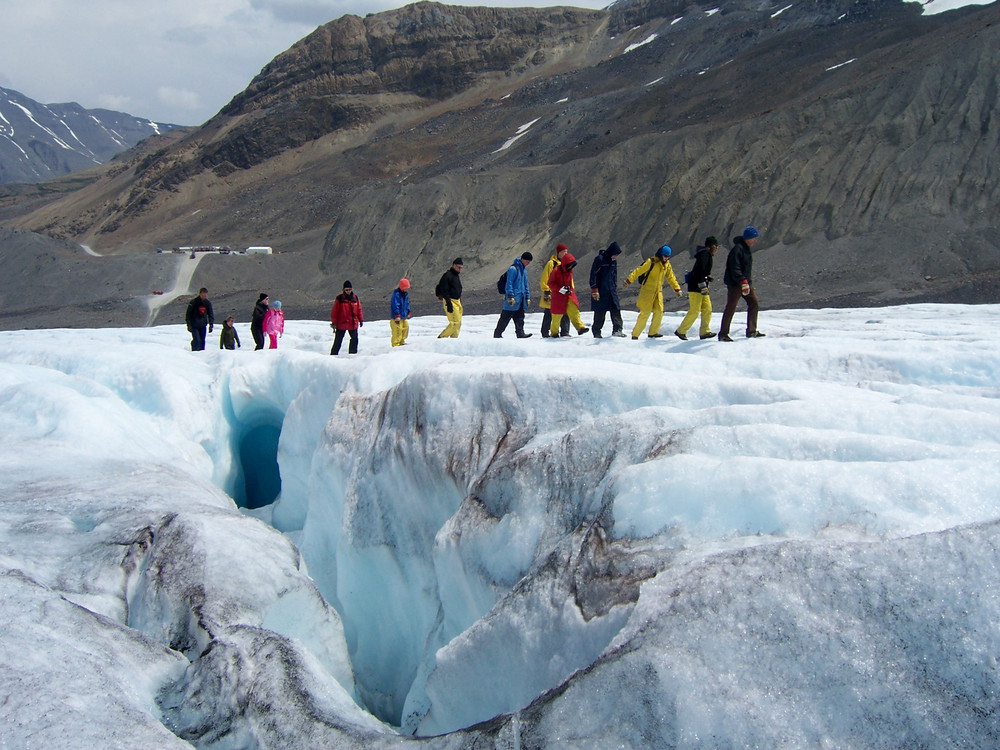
751, 233
665, 251
277, 305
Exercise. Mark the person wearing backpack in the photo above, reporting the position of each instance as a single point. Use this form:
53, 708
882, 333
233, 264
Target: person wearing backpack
199, 315
517, 297
564, 300
546, 299
651, 275
399, 312
449, 291
699, 297
604, 291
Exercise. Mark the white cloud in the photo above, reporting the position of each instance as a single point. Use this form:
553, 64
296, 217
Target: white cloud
179, 98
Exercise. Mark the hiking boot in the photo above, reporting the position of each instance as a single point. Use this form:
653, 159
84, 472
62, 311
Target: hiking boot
597, 335
755, 335
524, 335
725, 337
497, 336
619, 334
680, 335
635, 338
709, 335
582, 331
654, 336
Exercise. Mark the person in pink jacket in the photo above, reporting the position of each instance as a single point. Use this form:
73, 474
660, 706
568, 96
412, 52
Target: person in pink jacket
274, 324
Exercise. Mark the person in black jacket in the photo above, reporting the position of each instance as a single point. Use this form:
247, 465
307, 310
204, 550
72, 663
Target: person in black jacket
699, 296
739, 283
257, 321
449, 291
199, 315
604, 291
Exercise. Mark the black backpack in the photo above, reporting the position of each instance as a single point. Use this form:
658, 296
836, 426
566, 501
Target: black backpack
642, 279
502, 283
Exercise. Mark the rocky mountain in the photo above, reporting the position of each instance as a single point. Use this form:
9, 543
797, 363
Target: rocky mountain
41, 141
860, 137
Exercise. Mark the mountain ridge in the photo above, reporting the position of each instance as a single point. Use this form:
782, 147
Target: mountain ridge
858, 136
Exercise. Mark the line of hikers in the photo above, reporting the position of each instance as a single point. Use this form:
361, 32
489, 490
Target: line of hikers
562, 307
558, 299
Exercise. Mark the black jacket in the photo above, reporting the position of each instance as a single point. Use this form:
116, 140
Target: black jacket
199, 313
257, 318
739, 264
604, 278
701, 274
450, 285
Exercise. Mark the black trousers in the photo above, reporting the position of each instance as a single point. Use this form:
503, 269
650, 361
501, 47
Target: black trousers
198, 338
257, 331
338, 339
616, 320
506, 316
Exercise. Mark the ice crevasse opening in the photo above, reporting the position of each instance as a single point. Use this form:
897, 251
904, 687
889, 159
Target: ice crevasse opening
422, 504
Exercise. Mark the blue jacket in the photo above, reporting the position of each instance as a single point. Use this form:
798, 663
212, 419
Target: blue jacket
400, 304
604, 278
517, 287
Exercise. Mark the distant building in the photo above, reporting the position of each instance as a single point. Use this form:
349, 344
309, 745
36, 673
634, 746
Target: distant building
259, 250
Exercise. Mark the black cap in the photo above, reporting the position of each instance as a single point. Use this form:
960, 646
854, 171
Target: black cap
457, 262
710, 240
527, 256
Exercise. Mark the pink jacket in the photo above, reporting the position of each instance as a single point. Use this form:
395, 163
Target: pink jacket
274, 321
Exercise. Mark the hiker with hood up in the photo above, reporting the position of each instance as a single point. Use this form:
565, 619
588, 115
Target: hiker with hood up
399, 311
604, 291
653, 272
699, 296
564, 300
517, 297
546, 299
346, 318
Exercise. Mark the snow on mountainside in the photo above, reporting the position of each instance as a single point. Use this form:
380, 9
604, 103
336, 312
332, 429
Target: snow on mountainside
40, 141
782, 542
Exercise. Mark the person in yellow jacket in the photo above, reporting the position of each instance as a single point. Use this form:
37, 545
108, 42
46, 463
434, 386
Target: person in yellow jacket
545, 301
654, 271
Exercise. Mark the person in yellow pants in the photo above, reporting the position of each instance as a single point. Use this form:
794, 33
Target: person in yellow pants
653, 272
564, 299
699, 297
399, 310
449, 291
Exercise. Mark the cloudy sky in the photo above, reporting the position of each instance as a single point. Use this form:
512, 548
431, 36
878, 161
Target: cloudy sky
176, 61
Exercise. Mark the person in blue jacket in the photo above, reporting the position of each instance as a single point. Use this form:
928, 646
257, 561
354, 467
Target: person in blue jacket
399, 309
517, 297
604, 291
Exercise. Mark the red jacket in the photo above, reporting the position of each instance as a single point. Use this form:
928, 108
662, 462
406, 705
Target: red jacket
562, 275
346, 312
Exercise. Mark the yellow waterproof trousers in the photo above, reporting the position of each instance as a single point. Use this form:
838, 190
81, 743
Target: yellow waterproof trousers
400, 330
454, 319
574, 317
644, 312
698, 303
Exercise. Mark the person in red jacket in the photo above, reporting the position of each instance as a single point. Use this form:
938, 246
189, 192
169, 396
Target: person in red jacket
564, 300
346, 317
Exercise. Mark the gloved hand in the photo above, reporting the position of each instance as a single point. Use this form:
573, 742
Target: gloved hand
744, 287
396, 318
361, 324
705, 291
511, 301
211, 328
449, 307
189, 329
595, 295
626, 283
679, 292
564, 290
333, 326
546, 296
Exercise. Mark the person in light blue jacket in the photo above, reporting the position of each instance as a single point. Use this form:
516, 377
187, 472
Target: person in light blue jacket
517, 297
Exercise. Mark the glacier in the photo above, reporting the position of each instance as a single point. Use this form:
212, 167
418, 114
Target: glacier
783, 542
